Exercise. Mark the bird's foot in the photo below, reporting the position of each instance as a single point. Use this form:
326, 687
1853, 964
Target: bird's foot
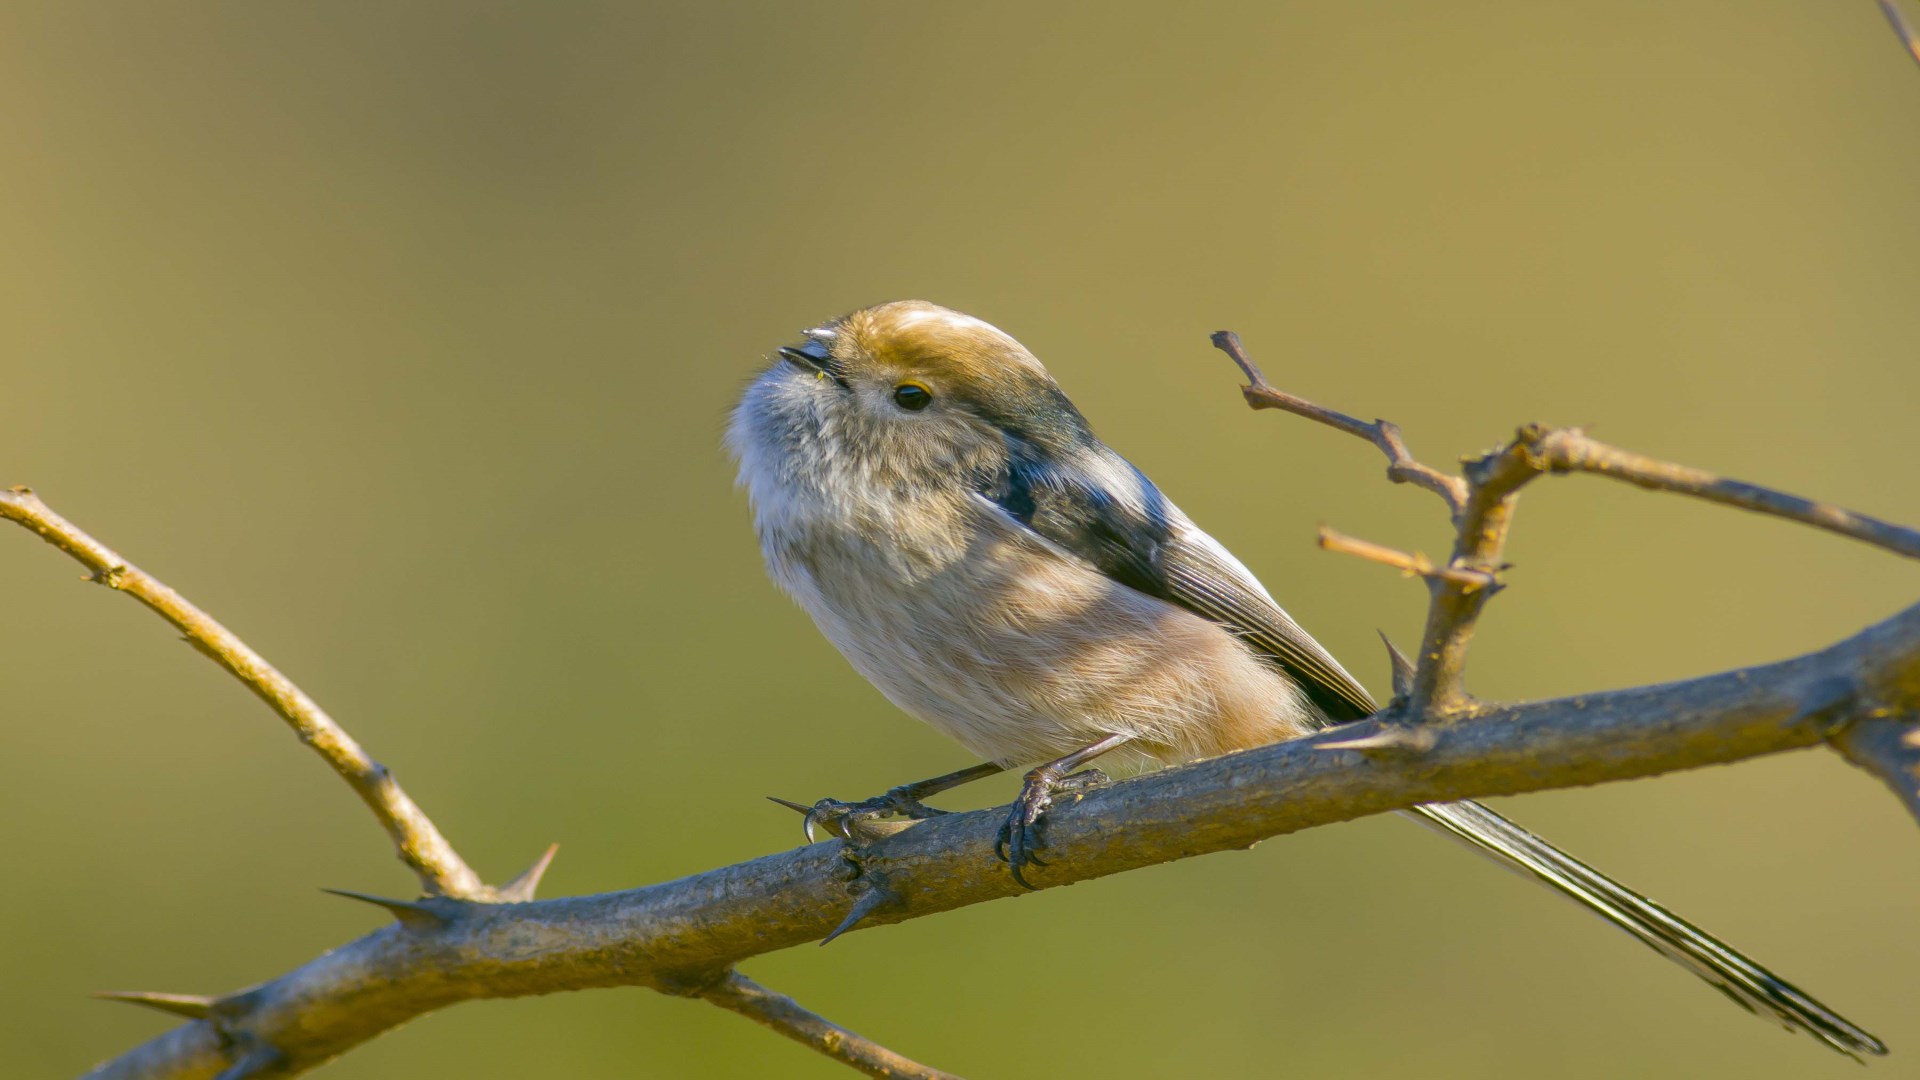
1021, 833
845, 819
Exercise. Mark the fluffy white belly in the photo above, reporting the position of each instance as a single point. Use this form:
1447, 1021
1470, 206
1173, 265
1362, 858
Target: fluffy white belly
1020, 652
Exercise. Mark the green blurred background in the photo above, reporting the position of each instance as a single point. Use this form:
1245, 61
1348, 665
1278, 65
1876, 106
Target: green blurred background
400, 337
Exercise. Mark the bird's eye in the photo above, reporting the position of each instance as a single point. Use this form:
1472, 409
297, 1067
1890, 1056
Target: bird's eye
912, 397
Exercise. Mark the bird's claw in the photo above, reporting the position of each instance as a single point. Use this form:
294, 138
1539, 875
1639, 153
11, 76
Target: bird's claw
843, 819
1021, 833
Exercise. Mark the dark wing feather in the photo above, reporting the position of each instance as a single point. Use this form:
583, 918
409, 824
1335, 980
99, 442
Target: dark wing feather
1108, 514
1203, 582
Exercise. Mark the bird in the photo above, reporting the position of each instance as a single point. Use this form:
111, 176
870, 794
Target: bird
927, 493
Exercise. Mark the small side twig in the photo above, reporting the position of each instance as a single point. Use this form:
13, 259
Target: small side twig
421, 846
1412, 564
1889, 748
1571, 450
1402, 467
1481, 502
737, 993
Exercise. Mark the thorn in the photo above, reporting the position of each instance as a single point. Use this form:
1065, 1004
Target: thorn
191, 1006
413, 914
1402, 667
1389, 739
808, 820
521, 888
877, 896
842, 820
259, 1061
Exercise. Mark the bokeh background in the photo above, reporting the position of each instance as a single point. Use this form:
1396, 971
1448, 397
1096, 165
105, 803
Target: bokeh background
400, 337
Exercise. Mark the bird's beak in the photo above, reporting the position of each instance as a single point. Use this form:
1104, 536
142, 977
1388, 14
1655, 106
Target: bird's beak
815, 357
810, 355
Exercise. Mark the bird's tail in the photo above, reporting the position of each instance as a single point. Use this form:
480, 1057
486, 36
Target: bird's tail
1746, 982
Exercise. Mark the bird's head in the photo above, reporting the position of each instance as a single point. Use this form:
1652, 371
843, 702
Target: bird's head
901, 395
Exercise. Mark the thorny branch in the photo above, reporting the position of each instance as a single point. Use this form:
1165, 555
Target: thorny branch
684, 937
442, 873
421, 847
676, 935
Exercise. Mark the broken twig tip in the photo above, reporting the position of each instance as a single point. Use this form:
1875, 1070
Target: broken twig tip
1229, 342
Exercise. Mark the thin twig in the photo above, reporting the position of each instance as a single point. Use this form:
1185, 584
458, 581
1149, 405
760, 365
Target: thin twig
1413, 564
1402, 467
1889, 748
421, 847
1479, 547
1493, 482
1571, 450
742, 995
1902, 28
662, 934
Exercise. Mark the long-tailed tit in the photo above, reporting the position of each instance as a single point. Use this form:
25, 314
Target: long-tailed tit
928, 494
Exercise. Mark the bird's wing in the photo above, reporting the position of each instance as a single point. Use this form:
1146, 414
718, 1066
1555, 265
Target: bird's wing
1106, 513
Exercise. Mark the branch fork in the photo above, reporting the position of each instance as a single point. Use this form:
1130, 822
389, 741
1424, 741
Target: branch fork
1480, 503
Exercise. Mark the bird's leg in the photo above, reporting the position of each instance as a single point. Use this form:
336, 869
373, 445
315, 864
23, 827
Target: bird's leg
903, 801
1019, 835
